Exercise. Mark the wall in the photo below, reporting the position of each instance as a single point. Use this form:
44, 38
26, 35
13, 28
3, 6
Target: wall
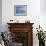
43, 14
33, 14
0, 15
33, 10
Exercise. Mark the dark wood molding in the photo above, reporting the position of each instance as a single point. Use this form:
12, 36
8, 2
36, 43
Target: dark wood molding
22, 27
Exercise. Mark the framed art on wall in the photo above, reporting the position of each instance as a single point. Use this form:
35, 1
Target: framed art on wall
20, 10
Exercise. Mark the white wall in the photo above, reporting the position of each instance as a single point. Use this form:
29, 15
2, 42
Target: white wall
33, 10
43, 14
0, 15
43, 6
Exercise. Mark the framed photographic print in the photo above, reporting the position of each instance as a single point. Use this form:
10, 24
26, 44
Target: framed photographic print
20, 10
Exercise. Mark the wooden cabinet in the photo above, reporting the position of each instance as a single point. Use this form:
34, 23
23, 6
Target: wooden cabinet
22, 33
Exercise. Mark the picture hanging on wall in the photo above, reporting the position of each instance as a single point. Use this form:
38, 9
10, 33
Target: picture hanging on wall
20, 10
